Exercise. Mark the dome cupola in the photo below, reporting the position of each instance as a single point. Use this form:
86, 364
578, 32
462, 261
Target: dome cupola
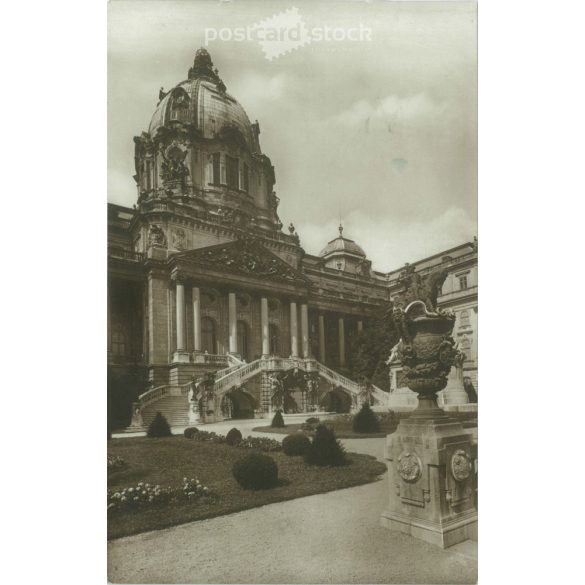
344, 254
202, 150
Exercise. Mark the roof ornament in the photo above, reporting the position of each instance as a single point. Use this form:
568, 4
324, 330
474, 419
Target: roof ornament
203, 67
162, 94
340, 230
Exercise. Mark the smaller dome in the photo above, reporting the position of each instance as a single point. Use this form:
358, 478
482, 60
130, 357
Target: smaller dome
342, 245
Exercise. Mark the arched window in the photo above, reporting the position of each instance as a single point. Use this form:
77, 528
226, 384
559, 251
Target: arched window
243, 339
208, 335
274, 338
118, 342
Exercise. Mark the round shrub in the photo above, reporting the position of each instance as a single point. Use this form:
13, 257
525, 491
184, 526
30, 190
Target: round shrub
159, 427
256, 472
296, 444
365, 420
190, 432
325, 449
277, 420
313, 420
233, 437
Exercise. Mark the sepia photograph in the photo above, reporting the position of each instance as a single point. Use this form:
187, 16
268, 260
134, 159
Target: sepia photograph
292, 292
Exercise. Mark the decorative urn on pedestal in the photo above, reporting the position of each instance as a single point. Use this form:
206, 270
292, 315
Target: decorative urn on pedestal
430, 456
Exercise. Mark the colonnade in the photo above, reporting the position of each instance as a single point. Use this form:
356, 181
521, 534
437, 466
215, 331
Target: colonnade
297, 334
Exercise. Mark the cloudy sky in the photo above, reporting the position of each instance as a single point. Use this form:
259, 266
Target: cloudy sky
379, 133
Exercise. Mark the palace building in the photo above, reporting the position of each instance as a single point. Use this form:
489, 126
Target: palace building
214, 310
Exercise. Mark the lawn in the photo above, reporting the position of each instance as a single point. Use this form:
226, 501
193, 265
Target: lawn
166, 461
343, 426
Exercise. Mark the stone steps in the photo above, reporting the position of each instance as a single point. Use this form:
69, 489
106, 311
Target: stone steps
174, 408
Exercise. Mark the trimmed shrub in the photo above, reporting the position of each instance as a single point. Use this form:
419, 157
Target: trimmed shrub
313, 420
365, 420
296, 444
256, 472
159, 427
190, 432
325, 449
233, 437
277, 420
308, 427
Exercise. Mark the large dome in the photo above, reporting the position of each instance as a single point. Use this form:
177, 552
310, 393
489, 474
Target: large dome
202, 101
342, 245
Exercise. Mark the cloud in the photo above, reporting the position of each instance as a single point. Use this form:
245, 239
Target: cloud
390, 112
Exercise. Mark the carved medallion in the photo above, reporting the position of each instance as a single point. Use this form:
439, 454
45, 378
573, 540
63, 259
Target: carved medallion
460, 465
409, 467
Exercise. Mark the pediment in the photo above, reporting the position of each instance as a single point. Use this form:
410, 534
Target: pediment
247, 257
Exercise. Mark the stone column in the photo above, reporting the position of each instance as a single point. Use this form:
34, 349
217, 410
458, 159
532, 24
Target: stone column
294, 337
196, 297
305, 329
180, 355
233, 324
180, 312
341, 342
264, 326
322, 338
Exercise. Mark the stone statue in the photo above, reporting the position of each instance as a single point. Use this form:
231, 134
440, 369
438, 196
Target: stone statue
156, 236
393, 354
417, 287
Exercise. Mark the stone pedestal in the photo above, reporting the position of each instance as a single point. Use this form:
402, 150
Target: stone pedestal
402, 399
194, 417
431, 477
454, 394
181, 357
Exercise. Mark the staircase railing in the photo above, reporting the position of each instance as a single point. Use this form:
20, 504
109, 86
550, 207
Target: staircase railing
238, 373
237, 376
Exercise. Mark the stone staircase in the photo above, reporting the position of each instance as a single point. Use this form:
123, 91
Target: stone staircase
174, 408
172, 401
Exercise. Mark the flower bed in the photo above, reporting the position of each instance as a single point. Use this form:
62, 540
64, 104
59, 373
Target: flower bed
260, 443
115, 462
145, 494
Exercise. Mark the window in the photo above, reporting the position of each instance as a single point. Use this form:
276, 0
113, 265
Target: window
118, 343
246, 178
465, 348
148, 174
464, 318
242, 328
463, 282
216, 168
208, 335
274, 339
232, 171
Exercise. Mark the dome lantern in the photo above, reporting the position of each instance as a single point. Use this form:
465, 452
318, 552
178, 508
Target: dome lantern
344, 254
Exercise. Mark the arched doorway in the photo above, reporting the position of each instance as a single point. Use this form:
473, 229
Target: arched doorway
336, 401
239, 404
208, 335
242, 332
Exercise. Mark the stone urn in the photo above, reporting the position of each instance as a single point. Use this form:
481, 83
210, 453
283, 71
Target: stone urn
427, 352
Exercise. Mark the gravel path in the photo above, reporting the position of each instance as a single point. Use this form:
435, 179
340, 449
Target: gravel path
325, 538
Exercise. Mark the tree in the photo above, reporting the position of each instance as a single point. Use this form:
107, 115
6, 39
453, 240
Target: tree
371, 350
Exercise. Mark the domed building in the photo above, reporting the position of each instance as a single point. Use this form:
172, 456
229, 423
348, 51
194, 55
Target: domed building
213, 310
